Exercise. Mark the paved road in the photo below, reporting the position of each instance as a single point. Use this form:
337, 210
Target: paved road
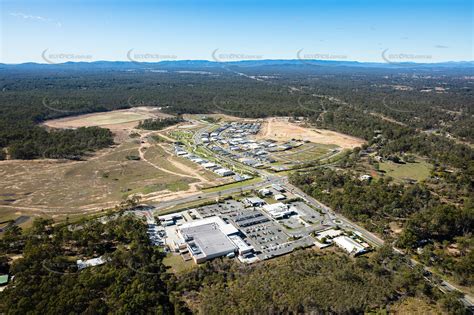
209, 195
376, 241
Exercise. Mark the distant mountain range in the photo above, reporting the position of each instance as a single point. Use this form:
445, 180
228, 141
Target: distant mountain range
200, 64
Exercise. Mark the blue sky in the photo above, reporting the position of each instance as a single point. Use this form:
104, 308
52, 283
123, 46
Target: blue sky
72, 30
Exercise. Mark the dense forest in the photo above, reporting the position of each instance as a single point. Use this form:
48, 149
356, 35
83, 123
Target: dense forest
159, 123
70, 144
307, 282
47, 280
420, 109
135, 280
377, 203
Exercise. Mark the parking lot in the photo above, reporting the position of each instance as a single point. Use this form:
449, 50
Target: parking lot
266, 235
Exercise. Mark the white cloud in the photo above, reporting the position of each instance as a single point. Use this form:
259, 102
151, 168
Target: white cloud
35, 18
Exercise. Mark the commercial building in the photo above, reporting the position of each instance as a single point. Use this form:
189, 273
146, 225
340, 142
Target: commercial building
170, 219
278, 188
208, 238
227, 229
349, 245
279, 210
265, 192
279, 197
243, 248
254, 202
207, 241
329, 234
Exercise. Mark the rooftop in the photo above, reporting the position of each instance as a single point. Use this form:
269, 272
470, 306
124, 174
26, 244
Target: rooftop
207, 240
330, 233
81, 264
278, 210
349, 245
3, 279
226, 228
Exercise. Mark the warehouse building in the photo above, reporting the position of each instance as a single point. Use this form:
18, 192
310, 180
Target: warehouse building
209, 165
206, 242
279, 197
208, 238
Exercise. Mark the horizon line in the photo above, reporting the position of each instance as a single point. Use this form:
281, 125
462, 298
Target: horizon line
235, 61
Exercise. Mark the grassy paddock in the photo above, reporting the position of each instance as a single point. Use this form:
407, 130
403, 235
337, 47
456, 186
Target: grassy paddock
176, 263
420, 170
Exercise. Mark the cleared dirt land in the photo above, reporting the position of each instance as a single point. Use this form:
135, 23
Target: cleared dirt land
117, 119
61, 187
67, 188
281, 129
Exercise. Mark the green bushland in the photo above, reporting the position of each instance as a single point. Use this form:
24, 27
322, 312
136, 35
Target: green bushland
159, 123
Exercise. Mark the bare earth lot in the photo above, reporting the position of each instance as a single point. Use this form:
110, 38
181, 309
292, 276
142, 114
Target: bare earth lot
281, 130
117, 119
68, 187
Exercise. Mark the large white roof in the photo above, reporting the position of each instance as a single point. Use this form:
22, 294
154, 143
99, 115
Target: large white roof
237, 240
278, 209
330, 233
208, 240
349, 244
226, 228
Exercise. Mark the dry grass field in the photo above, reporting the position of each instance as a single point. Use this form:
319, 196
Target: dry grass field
136, 165
68, 187
117, 119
